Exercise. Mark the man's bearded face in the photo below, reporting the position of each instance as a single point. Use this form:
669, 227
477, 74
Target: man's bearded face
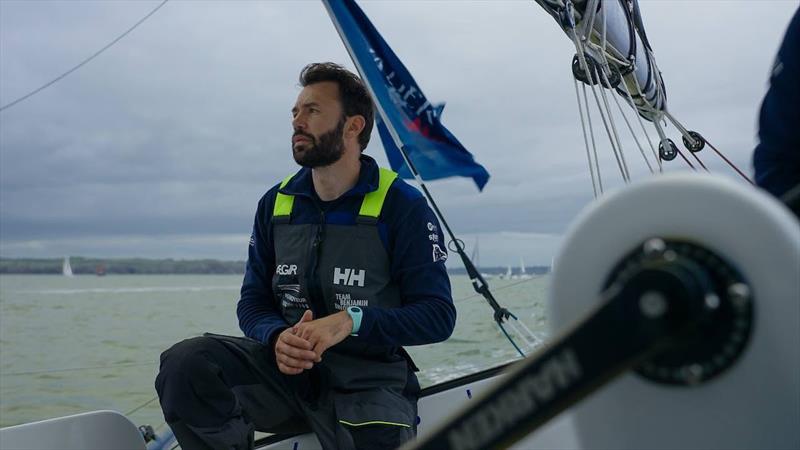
319, 151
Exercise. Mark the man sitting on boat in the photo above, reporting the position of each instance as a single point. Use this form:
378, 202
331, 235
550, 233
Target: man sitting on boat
346, 265
777, 156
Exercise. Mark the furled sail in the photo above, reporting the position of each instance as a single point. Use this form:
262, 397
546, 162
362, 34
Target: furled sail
614, 37
612, 52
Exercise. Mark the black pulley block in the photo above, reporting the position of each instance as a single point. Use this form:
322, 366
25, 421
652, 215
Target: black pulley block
699, 142
668, 152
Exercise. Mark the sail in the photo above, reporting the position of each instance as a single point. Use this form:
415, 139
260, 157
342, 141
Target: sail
624, 49
406, 119
66, 268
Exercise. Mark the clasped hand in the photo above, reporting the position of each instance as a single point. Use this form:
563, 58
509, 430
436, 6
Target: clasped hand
300, 347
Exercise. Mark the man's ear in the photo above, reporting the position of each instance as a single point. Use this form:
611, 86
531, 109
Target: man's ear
355, 125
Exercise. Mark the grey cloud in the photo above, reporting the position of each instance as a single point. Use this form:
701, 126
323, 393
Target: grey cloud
167, 140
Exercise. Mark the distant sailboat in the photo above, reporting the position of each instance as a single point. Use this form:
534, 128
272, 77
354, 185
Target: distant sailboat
523, 275
66, 269
476, 258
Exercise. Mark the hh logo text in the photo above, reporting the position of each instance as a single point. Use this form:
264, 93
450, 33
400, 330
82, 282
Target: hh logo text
349, 277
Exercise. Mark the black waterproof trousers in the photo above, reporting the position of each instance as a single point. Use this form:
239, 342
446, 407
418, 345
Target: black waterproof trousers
216, 390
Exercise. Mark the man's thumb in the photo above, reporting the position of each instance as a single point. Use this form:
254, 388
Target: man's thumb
308, 316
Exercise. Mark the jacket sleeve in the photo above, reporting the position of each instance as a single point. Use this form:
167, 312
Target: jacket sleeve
418, 254
776, 159
259, 317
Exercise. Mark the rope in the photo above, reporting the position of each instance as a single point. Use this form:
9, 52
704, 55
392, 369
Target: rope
608, 133
594, 145
730, 163
639, 118
525, 332
521, 353
85, 61
664, 141
698, 160
627, 175
588, 29
646, 107
630, 128
585, 139
685, 158
680, 128
689, 137
585, 68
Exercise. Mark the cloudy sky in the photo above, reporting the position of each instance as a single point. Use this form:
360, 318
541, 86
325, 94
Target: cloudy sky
162, 146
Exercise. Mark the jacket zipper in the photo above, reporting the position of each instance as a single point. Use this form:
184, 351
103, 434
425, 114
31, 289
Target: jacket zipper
314, 283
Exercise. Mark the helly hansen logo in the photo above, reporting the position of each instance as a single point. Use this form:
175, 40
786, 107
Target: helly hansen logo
349, 277
286, 269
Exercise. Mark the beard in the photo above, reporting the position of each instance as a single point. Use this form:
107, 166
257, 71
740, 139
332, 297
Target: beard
322, 151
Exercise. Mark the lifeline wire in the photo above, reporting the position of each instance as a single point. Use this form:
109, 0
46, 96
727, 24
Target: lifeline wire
72, 369
82, 63
141, 406
495, 289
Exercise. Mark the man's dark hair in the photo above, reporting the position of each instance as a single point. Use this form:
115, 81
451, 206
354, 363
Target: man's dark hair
352, 93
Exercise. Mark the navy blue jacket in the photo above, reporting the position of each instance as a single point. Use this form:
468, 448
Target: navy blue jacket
407, 227
777, 157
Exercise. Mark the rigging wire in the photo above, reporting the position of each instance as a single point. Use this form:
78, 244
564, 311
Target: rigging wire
82, 63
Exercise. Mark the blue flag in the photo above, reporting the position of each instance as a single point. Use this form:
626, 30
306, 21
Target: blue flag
405, 117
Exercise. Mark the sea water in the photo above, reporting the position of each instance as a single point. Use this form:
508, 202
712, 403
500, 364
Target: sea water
70, 345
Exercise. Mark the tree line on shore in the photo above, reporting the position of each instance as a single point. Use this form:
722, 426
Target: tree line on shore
103, 266
144, 266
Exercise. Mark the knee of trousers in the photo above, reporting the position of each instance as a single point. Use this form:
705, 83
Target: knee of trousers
184, 365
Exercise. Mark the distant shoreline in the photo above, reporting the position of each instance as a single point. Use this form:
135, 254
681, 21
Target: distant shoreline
169, 266
120, 266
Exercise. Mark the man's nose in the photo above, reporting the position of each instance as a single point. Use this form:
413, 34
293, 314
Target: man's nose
298, 122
